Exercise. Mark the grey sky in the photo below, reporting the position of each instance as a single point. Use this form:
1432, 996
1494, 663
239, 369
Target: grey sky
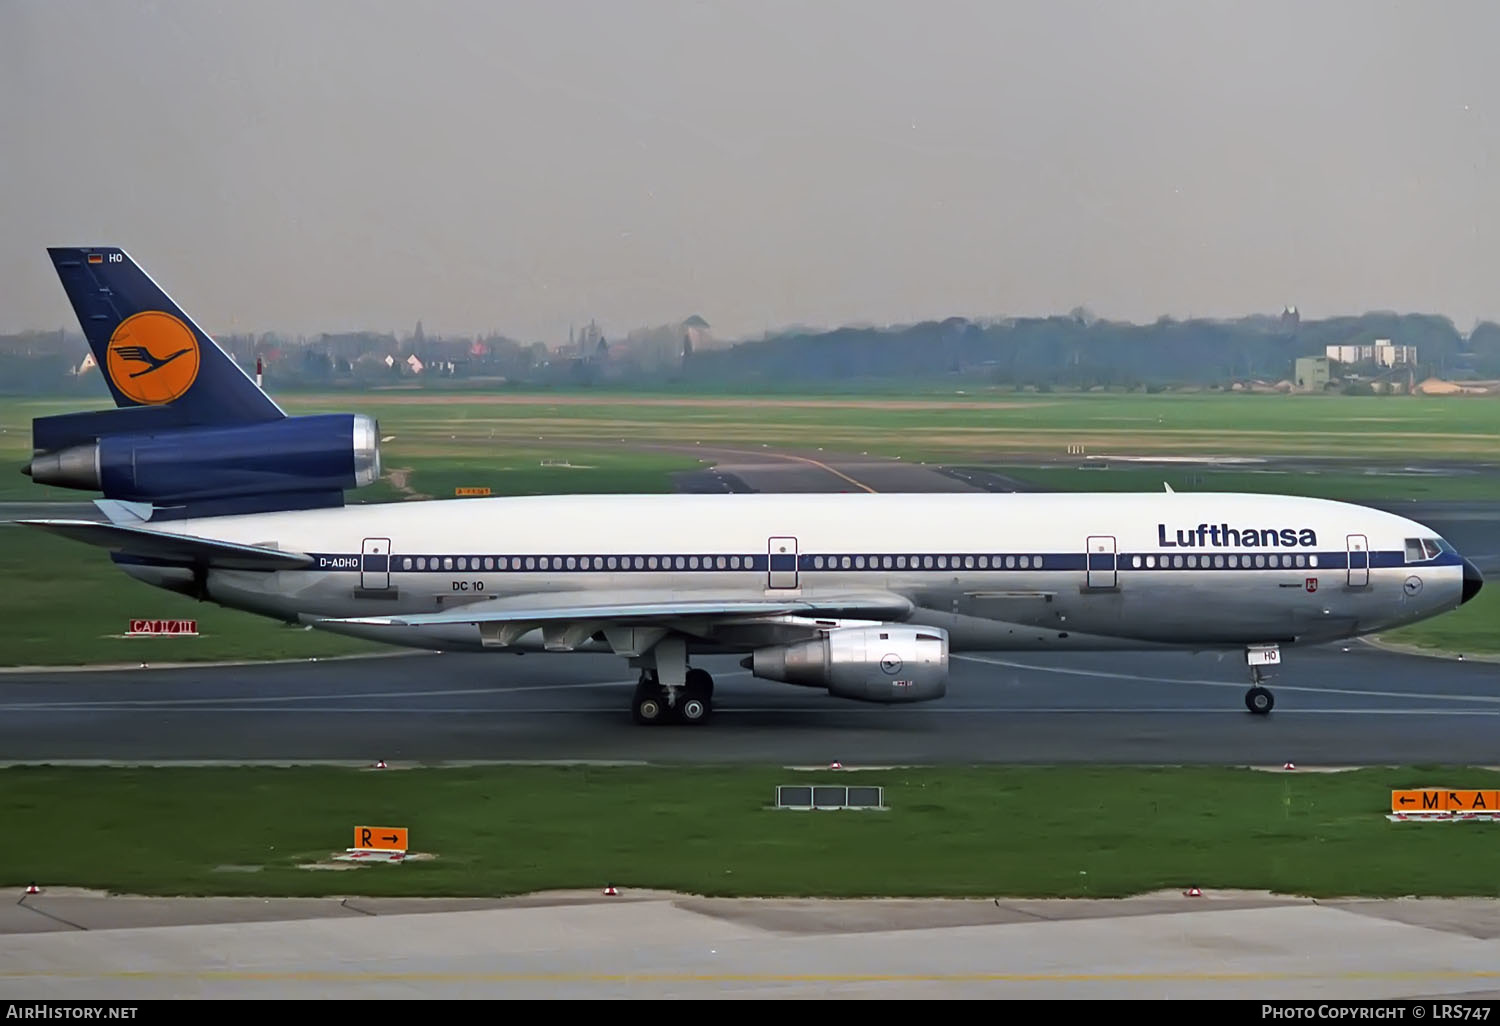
499, 165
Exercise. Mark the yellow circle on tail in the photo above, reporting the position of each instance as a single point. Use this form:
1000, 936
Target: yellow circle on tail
152, 357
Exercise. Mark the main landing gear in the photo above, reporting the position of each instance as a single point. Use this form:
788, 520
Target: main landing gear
1259, 699
689, 703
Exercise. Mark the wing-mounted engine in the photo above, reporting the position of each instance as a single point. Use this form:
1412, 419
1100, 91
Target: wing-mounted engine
889, 663
293, 455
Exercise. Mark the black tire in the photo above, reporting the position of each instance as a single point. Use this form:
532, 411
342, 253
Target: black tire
699, 683
692, 710
649, 707
1259, 701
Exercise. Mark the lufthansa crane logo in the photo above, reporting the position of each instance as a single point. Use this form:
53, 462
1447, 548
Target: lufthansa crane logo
891, 664
152, 358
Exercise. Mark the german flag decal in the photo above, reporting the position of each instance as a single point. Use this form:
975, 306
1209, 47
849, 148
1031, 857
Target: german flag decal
96, 258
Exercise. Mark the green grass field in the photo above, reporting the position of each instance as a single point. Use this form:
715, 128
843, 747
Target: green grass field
980, 425
1018, 832
1374, 485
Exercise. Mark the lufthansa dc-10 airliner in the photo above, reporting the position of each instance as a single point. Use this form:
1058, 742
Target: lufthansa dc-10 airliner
209, 489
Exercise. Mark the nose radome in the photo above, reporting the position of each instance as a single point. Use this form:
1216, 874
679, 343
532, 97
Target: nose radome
1473, 581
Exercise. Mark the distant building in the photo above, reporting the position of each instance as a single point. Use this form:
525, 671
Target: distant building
1311, 374
1382, 353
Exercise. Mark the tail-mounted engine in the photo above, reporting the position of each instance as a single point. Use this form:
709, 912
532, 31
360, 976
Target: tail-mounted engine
316, 454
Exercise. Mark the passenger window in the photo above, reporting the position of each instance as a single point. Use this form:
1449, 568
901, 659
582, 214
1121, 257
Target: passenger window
720, 562
1036, 562
1135, 561
1151, 562
406, 563
1010, 562
1193, 562
447, 562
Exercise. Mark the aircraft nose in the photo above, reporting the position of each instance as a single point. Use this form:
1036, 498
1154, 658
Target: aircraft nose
1473, 581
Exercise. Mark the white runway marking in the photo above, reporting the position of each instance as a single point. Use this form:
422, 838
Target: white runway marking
156, 703
1111, 675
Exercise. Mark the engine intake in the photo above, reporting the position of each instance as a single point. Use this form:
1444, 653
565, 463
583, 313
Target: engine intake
296, 454
887, 664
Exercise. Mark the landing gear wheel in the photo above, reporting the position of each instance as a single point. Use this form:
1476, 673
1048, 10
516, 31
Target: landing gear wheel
1259, 701
700, 683
649, 706
692, 710
696, 700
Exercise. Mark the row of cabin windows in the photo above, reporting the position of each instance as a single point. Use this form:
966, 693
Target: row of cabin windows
1260, 559
579, 562
712, 562
926, 562
834, 562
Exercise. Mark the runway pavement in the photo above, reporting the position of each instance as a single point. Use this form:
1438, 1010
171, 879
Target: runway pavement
1334, 707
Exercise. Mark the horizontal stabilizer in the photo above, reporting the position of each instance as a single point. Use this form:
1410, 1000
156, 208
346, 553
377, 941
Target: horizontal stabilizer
173, 548
639, 607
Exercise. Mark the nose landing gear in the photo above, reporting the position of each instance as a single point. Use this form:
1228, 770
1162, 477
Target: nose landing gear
1259, 699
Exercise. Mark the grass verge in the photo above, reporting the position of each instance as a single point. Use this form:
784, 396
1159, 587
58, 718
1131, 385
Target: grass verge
990, 831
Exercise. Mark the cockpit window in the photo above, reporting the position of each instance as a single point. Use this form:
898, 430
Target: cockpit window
1419, 550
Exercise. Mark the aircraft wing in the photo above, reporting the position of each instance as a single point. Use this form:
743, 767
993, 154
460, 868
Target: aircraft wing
180, 548
641, 607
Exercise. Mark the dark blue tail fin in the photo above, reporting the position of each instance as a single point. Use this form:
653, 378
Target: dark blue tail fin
150, 352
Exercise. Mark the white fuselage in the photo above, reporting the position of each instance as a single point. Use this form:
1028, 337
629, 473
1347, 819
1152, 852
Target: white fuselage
997, 571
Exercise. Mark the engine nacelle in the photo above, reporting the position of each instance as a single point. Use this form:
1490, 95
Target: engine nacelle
887, 664
295, 454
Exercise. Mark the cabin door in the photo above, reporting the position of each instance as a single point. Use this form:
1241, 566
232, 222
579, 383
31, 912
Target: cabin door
1102, 561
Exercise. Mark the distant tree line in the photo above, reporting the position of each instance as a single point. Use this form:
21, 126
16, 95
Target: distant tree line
1075, 351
